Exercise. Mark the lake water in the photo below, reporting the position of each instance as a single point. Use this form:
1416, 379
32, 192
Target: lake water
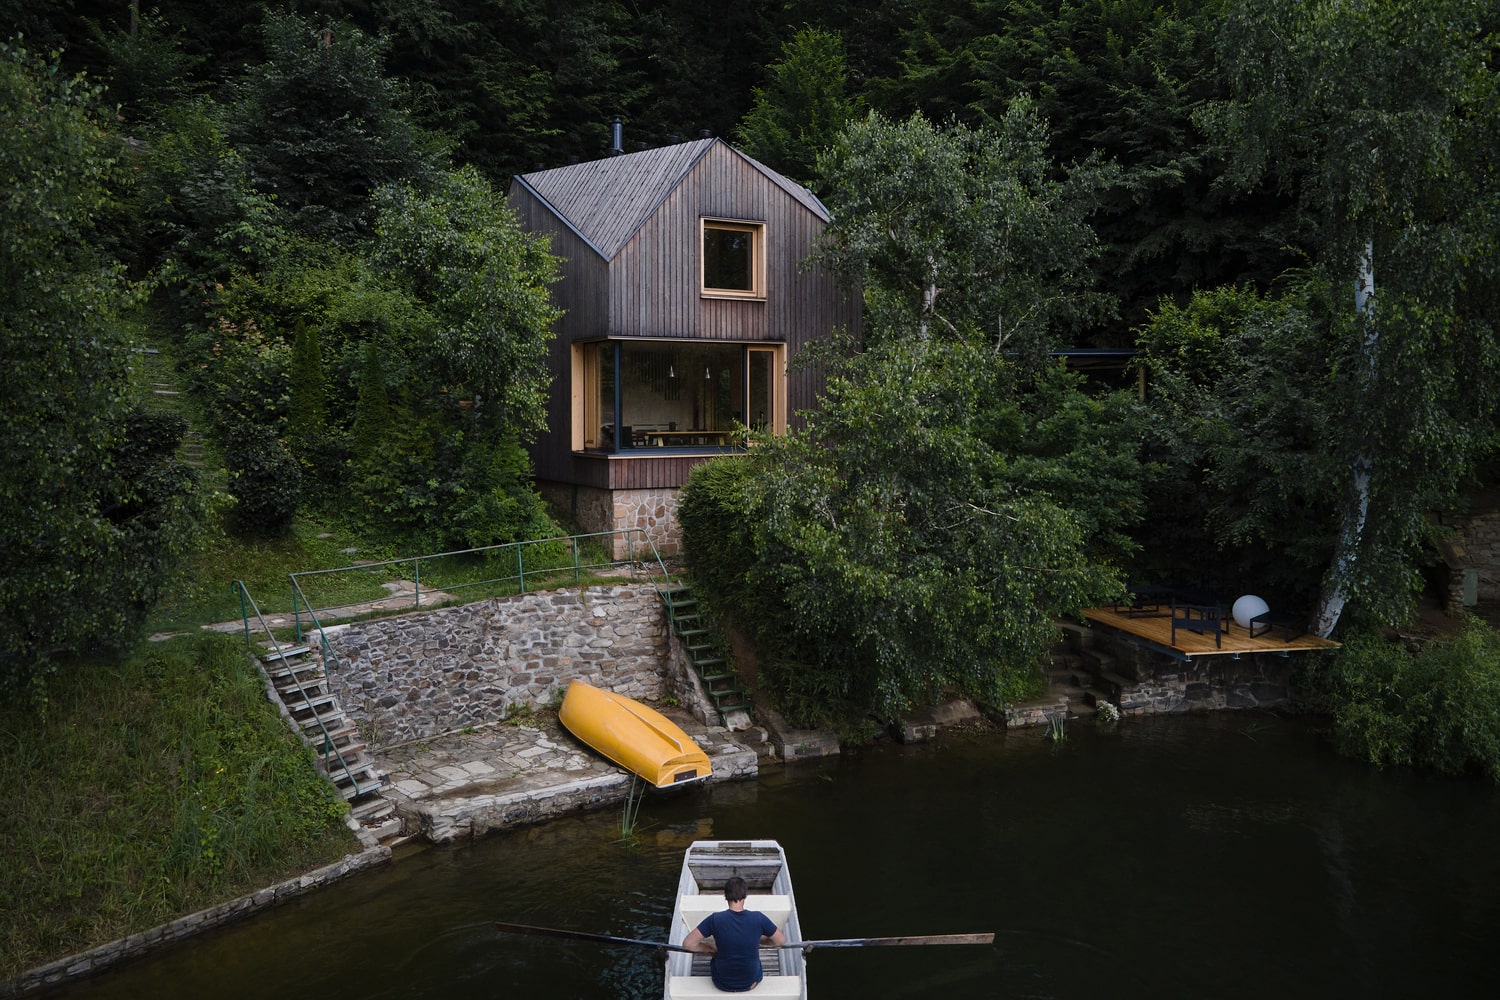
1230, 855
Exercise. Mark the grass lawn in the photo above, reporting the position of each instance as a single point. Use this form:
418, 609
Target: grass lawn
145, 790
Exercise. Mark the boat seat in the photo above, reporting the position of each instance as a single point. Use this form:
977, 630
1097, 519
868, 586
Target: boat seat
680, 987
695, 908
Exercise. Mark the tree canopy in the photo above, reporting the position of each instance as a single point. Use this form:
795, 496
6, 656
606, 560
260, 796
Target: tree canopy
97, 507
1205, 180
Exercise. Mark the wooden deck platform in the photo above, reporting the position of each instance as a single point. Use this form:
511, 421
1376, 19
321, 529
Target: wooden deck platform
1157, 630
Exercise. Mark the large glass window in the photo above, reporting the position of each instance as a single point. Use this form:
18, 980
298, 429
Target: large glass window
733, 256
677, 395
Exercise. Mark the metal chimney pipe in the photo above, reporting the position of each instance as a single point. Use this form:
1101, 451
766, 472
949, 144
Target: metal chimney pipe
617, 137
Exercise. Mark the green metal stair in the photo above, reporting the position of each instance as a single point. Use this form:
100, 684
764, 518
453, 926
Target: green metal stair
705, 646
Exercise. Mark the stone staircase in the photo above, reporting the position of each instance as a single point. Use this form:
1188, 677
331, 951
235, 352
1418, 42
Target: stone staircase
166, 395
706, 650
1079, 676
1085, 673
301, 685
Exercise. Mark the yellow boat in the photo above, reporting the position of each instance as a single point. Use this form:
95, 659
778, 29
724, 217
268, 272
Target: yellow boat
638, 738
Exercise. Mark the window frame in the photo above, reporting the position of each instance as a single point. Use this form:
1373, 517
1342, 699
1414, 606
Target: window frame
594, 404
757, 230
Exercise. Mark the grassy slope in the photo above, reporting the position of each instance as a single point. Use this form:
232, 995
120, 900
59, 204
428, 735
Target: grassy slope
146, 790
149, 789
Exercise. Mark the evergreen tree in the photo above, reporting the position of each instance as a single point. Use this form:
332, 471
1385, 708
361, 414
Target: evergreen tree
373, 419
803, 106
323, 126
307, 414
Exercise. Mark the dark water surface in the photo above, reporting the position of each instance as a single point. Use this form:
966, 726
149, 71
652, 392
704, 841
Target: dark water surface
1206, 856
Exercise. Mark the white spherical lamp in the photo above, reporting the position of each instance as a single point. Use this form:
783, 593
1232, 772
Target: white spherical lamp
1248, 607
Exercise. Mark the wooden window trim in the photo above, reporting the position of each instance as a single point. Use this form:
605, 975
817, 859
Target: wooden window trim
757, 230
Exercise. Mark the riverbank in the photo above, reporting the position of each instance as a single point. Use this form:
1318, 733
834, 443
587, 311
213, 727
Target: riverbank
451, 786
145, 790
526, 770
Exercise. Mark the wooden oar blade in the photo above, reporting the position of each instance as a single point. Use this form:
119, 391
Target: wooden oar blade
885, 942
584, 936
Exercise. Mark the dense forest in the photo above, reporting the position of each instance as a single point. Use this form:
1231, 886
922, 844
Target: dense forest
1287, 208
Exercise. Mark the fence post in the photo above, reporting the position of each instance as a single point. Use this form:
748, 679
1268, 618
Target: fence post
574, 543
520, 568
297, 608
416, 580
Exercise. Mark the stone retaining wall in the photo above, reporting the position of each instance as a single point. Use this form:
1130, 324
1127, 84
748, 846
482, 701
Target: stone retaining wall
1155, 683
436, 671
97, 959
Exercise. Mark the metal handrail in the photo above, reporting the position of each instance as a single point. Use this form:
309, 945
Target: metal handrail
635, 539
281, 657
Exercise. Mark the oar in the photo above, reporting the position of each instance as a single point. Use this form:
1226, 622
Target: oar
586, 936
881, 942
869, 942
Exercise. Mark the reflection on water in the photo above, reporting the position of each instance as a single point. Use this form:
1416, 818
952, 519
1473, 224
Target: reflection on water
1225, 855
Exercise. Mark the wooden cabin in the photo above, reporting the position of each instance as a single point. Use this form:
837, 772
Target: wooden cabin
685, 296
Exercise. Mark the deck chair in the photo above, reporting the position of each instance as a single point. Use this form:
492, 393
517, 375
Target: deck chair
1200, 619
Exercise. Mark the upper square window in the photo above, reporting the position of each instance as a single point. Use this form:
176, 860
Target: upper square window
734, 259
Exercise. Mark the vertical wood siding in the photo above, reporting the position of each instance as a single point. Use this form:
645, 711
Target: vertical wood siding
651, 288
609, 473
581, 293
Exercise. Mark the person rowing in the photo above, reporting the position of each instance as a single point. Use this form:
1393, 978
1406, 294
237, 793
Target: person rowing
737, 935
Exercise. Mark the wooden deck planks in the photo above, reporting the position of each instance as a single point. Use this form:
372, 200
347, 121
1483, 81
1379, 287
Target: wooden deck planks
1157, 629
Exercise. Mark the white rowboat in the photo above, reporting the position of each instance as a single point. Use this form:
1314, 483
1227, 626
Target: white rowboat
700, 891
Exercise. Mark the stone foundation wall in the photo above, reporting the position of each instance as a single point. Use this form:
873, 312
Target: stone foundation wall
653, 512
591, 508
1477, 548
1154, 683
436, 671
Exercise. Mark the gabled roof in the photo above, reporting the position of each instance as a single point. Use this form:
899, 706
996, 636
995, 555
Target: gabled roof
606, 201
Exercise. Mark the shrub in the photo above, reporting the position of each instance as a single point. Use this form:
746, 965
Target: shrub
1437, 707
265, 481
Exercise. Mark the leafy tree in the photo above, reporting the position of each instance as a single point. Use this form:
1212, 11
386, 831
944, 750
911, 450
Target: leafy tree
962, 233
96, 507
892, 552
1382, 119
201, 220
482, 285
803, 106
1437, 707
473, 348
1244, 440
1123, 81
264, 479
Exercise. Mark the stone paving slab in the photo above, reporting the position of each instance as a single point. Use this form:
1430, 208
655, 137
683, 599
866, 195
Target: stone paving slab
484, 778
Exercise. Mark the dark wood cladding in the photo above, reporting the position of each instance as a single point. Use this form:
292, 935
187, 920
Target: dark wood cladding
654, 288
629, 230
624, 473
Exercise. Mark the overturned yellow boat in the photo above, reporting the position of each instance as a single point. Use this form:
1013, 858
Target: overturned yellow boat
638, 738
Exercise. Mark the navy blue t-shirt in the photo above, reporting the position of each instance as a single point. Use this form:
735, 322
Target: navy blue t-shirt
736, 965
